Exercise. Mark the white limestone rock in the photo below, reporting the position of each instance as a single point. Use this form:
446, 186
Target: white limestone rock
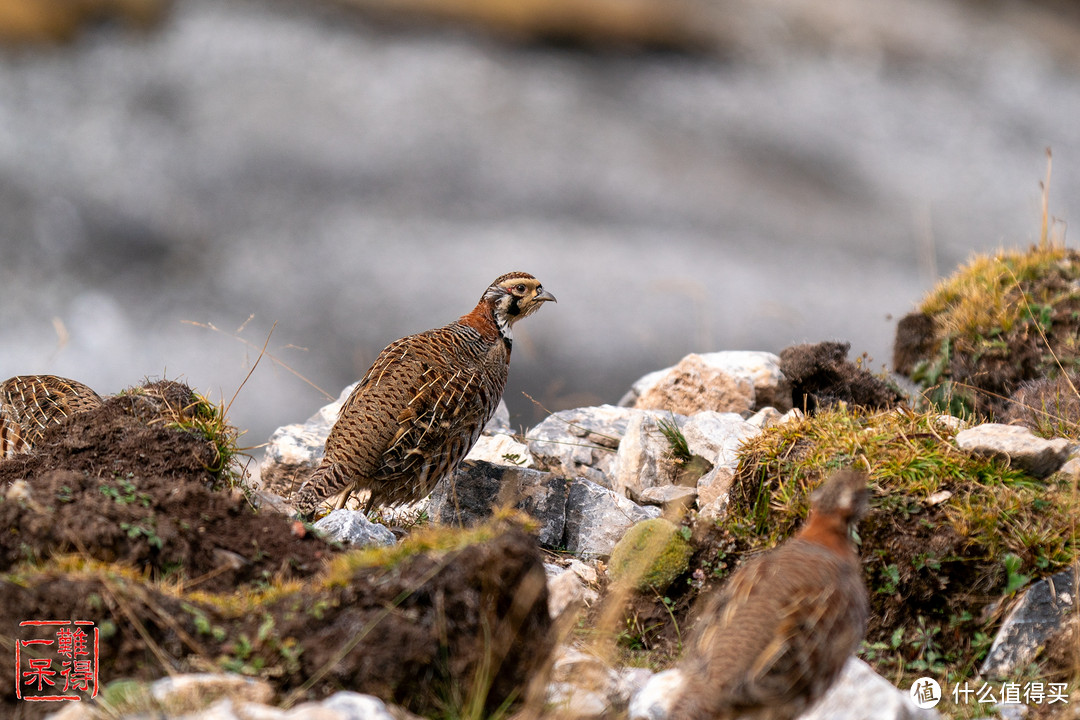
759, 370
1022, 448
861, 694
669, 497
583, 683
570, 587
714, 486
717, 437
501, 449
179, 690
351, 527
644, 458
858, 694
693, 385
655, 698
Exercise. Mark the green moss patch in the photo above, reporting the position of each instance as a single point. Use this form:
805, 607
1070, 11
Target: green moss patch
650, 555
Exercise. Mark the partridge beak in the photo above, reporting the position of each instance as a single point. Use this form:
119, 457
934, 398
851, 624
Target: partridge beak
544, 295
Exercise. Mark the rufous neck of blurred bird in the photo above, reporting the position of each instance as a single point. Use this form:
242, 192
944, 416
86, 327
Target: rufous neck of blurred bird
830, 530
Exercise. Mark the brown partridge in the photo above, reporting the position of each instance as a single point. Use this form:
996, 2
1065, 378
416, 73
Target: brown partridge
778, 633
422, 404
30, 404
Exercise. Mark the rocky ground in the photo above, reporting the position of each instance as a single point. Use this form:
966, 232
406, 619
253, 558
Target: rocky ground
531, 580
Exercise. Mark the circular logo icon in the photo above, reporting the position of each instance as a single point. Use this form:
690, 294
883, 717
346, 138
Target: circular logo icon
926, 692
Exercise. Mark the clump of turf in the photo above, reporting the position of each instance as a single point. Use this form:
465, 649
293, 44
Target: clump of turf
451, 623
948, 532
175, 405
995, 323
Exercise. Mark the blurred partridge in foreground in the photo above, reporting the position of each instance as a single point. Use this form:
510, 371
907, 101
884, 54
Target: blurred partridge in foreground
30, 404
777, 635
422, 404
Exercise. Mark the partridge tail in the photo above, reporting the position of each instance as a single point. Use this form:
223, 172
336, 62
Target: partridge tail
326, 481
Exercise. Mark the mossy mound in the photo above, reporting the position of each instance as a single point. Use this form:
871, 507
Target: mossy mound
995, 323
948, 532
650, 555
448, 622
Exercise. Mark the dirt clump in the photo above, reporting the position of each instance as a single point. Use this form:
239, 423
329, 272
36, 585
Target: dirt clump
821, 376
125, 482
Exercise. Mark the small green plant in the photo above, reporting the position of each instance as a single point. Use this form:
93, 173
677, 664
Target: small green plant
124, 492
134, 530
1014, 579
679, 448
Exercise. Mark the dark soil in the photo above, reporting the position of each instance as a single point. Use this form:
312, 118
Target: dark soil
915, 341
118, 484
428, 633
134, 501
821, 376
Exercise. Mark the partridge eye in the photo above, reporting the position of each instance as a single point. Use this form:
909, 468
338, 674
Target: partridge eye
520, 288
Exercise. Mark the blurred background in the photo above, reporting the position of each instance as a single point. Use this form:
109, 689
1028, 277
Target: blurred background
684, 175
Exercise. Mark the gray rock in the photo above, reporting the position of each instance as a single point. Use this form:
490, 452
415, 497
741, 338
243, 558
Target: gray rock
669, 497
501, 449
644, 458
760, 369
1039, 616
472, 493
654, 699
596, 518
717, 437
351, 527
499, 424
581, 442
354, 706
714, 485
1018, 445
861, 694
858, 694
